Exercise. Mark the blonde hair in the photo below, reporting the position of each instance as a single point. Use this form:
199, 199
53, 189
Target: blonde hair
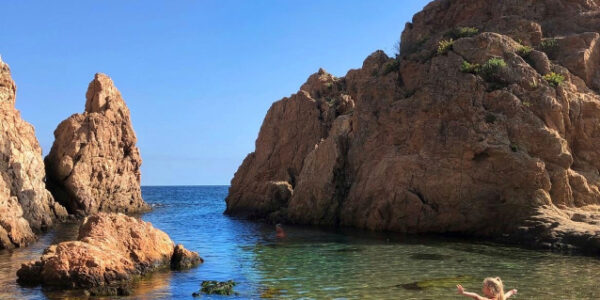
494, 284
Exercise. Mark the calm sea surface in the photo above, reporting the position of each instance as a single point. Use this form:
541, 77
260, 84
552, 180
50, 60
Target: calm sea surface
321, 264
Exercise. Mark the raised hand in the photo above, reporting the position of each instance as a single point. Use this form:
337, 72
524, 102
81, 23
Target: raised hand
461, 290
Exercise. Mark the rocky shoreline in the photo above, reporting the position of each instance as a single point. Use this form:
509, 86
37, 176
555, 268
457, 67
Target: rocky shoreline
485, 124
93, 166
110, 253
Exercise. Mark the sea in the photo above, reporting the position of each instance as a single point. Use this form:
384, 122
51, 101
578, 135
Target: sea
319, 263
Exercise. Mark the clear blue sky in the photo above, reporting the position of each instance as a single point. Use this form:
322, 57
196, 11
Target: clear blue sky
198, 76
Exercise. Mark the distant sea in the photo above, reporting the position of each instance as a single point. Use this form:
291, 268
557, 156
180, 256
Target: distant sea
313, 263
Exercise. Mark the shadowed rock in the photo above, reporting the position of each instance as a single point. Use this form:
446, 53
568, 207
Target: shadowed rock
25, 204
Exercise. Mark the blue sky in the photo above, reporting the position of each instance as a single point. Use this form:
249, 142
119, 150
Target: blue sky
198, 76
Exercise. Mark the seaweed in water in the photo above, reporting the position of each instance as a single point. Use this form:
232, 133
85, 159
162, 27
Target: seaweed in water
212, 287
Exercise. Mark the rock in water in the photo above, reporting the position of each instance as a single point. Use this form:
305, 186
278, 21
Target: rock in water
94, 164
211, 287
25, 204
487, 123
110, 252
184, 259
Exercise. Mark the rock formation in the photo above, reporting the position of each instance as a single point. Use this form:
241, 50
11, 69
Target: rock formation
111, 251
487, 123
94, 164
25, 204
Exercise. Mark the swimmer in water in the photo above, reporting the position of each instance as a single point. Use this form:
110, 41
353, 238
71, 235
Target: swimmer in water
493, 289
280, 233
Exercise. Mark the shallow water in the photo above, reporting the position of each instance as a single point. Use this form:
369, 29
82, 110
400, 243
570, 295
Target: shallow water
321, 264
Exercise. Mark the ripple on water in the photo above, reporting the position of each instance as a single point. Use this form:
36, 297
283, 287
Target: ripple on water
316, 264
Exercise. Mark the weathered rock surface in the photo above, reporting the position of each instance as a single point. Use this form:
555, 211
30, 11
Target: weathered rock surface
111, 250
94, 164
413, 144
25, 204
184, 259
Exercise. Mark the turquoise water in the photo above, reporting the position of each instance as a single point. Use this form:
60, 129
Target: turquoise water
313, 263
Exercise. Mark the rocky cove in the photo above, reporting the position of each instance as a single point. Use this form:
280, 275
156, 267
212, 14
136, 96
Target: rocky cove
484, 126
314, 262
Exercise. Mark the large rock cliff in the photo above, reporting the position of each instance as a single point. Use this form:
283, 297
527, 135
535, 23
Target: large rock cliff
94, 164
487, 123
25, 204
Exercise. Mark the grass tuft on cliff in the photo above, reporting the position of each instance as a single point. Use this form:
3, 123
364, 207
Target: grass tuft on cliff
492, 67
554, 79
468, 67
489, 70
462, 32
548, 44
391, 66
444, 46
524, 51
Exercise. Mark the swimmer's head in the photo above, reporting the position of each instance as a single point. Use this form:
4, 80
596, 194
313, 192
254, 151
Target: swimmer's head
493, 288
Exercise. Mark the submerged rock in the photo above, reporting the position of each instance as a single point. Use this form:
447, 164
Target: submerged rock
270, 293
211, 287
26, 206
496, 135
94, 164
110, 252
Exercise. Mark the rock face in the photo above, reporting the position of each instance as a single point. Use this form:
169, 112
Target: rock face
184, 259
25, 204
111, 250
94, 164
422, 143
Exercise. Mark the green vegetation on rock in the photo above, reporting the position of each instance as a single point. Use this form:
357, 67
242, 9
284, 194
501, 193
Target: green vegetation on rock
548, 44
524, 51
461, 32
391, 66
444, 46
554, 79
492, 66
468, 67
212, 287
488, 70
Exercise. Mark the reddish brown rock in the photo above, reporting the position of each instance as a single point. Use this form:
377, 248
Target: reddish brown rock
111, 251
94, 164
427, 148
184, 259
25, 204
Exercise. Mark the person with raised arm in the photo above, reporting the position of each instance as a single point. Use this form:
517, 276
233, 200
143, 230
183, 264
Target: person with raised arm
493, 289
